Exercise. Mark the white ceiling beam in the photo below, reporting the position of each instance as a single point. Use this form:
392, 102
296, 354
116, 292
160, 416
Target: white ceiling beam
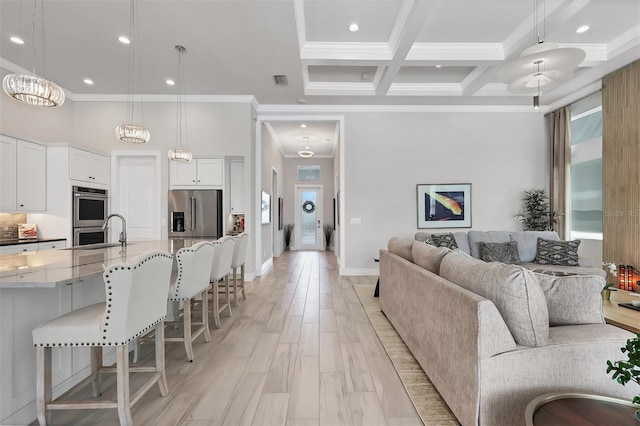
336, 51
404, 34
627, 41
443, 52
339, 88
425, 89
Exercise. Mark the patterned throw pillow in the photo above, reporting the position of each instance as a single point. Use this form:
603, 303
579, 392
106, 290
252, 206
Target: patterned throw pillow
500, 252
443, 240
563, 253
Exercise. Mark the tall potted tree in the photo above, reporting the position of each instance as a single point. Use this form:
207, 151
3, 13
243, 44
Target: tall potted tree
328, 231
288, 232
537, 214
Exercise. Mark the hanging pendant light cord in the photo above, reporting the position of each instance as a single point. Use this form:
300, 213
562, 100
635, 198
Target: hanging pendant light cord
33, 35
179, 117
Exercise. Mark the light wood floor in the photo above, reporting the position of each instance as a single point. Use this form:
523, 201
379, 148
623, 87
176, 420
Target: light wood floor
299, 351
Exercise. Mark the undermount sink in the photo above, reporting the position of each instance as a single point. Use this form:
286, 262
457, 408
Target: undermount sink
93, 246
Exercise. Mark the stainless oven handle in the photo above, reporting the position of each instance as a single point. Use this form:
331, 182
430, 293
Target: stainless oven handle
84, 195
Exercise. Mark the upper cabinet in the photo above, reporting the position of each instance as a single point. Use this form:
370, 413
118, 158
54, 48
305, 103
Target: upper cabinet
23, 176
88, 167
198, 173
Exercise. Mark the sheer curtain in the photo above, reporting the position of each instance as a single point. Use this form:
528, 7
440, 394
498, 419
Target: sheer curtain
560, 151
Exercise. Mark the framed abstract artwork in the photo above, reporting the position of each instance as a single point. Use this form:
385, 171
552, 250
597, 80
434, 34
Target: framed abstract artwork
444, 205
280, 213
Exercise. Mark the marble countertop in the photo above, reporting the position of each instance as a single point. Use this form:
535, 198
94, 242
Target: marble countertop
59, 267
16, 241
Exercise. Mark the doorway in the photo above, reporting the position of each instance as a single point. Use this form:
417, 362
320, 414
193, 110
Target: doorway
308, 217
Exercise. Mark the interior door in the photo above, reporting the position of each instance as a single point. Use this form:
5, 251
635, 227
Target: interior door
308, 228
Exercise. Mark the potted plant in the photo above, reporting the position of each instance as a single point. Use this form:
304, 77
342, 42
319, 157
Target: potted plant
629, 370
537, 215
288, 232
612, 270
328, 231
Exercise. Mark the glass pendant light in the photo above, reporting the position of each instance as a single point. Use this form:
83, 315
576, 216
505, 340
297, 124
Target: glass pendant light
180, 154
130, 132
31, 89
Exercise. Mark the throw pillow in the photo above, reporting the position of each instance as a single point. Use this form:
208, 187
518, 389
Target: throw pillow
572, 300
443, 240
564, 253
500, 252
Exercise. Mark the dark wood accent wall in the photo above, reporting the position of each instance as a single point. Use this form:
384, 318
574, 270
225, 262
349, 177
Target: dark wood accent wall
621, 165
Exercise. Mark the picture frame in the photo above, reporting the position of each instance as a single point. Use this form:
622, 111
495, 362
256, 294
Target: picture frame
266, 208
334, 214
280, 213
444, 205
338, 207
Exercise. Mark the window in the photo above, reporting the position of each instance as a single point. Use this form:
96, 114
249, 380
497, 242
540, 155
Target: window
585, 186
309, 173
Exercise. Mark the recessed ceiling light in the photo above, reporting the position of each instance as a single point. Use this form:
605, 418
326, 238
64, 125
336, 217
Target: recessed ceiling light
306, 147
16, 40
88, 81
438, 66
354, 27
124, 40
305, 138
582, 29
303, 125
171, 82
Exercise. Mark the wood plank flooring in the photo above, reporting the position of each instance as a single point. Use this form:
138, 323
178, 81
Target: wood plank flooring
299, 351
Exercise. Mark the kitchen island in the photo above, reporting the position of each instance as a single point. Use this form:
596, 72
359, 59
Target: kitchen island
36, 287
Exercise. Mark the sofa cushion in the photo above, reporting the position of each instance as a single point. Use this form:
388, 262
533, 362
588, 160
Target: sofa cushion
475, 237
564, 270
528, 242
443, 240
573, 299
427, 256
564, 253
513, 290
401, 247
500, 252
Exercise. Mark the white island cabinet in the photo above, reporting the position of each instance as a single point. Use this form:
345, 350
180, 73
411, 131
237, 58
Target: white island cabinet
38, 286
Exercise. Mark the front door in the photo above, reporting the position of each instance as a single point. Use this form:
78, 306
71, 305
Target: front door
308, 230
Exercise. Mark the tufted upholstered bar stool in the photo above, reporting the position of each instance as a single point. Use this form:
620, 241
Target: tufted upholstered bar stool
220, 268
194, 271
239, 258
136, 302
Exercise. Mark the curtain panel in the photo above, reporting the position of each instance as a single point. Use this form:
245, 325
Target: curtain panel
560, 157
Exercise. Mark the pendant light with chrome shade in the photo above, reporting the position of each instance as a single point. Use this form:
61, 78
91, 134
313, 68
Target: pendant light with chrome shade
543, 65
32, 89
180, 154
130, 132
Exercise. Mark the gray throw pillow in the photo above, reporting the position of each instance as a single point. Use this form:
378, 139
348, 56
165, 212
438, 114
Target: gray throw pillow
443, 240
500, 252
564, 253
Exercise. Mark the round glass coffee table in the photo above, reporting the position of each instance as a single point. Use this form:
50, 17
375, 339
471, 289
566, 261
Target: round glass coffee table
573, 408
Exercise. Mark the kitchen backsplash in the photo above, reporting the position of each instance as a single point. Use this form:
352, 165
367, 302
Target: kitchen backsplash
9, 225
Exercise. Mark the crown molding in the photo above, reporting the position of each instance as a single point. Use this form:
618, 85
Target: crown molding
624, 42
339, 88
169, 98
299, 109
274, 136
578, 94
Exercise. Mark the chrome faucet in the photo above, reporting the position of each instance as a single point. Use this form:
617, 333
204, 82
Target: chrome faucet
123, 234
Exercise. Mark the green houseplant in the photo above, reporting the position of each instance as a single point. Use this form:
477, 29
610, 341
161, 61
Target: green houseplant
628, 370
288, 232
328, 231
537, 215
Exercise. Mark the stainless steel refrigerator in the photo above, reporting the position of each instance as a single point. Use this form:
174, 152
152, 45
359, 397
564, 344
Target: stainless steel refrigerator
195, 213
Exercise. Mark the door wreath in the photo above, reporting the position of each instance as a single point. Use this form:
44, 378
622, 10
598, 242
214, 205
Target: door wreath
308, 207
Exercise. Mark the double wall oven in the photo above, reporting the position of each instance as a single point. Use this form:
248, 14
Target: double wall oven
90, 210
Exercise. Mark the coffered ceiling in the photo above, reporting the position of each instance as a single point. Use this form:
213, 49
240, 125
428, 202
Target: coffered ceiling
406, 52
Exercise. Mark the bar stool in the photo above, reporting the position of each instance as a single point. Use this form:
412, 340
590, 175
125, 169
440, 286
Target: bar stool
194, 270
220, 268
136, 302
239, 257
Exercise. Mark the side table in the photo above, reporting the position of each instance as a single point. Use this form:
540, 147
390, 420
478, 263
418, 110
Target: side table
574, 408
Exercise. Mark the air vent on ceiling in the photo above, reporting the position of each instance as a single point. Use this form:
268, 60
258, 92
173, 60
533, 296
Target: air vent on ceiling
281, 80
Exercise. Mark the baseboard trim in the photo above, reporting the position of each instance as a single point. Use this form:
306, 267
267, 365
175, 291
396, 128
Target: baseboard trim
359, 271
266, 266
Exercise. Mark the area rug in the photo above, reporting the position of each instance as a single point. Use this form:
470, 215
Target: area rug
429, 404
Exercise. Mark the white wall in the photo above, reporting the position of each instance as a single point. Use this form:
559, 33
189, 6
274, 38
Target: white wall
271, 159
388, 154
291, 180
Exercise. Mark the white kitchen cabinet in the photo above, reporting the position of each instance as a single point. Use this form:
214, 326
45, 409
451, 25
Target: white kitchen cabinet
7, 173
199, 172
236, 186
31, 177
19, 248
52, 245
23, 173
88, 167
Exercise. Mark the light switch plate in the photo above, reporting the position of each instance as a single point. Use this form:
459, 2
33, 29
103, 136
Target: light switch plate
356, 221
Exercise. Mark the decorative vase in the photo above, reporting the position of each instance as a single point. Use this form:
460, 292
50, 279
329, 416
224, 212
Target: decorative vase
606, 294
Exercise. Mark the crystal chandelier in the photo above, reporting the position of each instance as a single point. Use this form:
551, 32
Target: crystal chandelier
31, 89
132, 133
180, 154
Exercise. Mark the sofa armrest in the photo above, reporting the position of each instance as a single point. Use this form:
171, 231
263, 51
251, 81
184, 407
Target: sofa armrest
585, 261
